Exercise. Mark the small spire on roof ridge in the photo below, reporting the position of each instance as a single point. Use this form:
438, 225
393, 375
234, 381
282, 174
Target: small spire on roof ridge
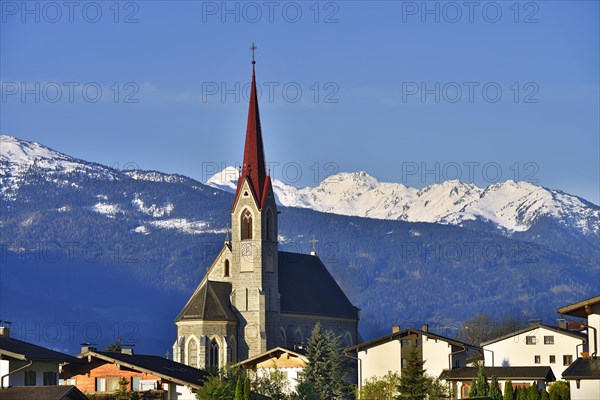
314, 242
253, 47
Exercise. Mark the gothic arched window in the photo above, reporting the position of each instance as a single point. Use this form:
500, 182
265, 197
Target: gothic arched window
226, 268
282, 337
348, 339
213, 353
299, 336
233, 349
192, 353
246, 225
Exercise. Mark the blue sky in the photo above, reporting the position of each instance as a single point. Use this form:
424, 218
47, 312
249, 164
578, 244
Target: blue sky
410, 92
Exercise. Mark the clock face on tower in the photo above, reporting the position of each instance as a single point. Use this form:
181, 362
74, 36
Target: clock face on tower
247, 250
246, 257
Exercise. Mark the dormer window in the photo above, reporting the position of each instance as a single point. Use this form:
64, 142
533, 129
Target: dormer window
246, 225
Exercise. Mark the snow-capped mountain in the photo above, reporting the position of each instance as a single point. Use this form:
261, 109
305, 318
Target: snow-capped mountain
65, 217
23, 162
511, 206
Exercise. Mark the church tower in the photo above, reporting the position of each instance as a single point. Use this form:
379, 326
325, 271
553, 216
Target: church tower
253, 297
254, 278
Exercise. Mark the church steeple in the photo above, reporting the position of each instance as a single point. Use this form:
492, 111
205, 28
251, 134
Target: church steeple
253, 166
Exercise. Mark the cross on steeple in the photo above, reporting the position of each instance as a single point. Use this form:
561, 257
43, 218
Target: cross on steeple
227, 233
253, 47
314, 246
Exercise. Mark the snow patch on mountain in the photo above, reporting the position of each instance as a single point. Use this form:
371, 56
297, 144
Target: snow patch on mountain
512, 206
152, 210
142, 229
110, 210
154, 176
185, 226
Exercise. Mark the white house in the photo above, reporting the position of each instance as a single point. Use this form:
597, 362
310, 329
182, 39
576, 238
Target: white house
25, 364
391, 352
535, 345
584, 374
287, 362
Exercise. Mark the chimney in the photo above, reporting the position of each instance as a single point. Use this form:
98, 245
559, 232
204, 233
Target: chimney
4, 331
395, 328
425, 327
127, 350
562, 323
86, 347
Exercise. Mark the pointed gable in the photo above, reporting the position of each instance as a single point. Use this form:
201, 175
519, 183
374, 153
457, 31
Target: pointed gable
253, 166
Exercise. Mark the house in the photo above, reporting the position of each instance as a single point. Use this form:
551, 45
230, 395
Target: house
390, 353
460, 379
253, 297
42, 393
287, 362
584, 374
102, 371
535, 345
26, 364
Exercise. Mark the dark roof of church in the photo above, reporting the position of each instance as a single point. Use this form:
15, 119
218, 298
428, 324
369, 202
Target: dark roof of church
307, 287
209, 303
583, 368
515, 373
41, 393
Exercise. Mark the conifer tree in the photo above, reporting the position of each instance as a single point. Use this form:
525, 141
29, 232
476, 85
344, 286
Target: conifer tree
473, 388
414, 384
326, 365
516, 393
495, 392
545, 395
246, 388
239, 390
508, 391
533, 392
480, 387
522, 395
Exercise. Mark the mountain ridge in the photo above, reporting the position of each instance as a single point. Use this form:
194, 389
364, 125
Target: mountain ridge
157, 233
511, 206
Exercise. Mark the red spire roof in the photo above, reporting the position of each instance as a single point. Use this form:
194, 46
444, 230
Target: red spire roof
253, 166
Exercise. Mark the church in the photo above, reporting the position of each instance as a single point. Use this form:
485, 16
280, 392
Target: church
254, 297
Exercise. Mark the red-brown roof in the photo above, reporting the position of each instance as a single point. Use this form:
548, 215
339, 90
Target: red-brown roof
253, 166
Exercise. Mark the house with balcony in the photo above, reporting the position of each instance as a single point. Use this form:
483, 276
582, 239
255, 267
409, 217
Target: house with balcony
101, 373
